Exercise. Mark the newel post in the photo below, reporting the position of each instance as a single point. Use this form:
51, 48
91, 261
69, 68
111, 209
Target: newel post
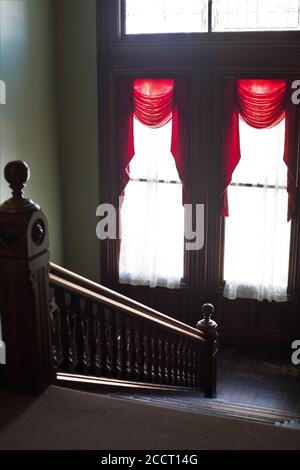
24, 284
210, 330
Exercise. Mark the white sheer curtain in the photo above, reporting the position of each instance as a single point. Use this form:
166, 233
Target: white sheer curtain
257, 234
152, 215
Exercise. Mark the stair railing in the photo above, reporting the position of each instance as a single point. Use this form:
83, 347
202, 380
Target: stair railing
58, 324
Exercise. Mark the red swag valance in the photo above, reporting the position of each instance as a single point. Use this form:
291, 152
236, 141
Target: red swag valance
154, 102
261, 104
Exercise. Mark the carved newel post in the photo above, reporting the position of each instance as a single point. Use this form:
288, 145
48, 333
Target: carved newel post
209, 328
24, 300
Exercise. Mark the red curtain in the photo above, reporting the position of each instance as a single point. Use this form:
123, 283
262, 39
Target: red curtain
180, 133
261, 104
126, 138
154, 102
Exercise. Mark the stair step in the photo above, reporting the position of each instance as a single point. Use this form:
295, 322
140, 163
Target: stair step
215, 406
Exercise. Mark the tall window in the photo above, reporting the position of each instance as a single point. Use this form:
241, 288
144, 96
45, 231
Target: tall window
152, 214
259, 169
257, 234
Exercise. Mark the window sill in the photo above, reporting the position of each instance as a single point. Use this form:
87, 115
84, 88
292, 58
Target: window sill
220, 289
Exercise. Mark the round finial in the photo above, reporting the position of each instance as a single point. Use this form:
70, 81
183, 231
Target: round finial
17, 174
207, 311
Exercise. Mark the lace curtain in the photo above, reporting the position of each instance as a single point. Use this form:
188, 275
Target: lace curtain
152, 215
257, 234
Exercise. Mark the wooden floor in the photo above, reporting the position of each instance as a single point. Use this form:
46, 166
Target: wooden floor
259, 379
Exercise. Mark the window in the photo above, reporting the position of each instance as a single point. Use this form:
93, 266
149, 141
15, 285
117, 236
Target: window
153, 151
192, 16
255, 15
257, 234
152, 215
166, 16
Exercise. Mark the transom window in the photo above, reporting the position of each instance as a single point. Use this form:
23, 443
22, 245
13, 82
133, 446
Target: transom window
255, 15
200, 16
166, 16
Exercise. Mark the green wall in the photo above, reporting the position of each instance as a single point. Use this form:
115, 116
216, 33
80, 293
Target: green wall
79, 134
29, 130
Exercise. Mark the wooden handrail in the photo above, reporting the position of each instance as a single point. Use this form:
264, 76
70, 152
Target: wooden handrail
57, 271
163, 322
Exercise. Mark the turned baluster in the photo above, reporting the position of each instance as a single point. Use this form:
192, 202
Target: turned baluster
129, 340
56, 312
153, 353
194, 367
146, 356
120, 339
160, 359
110, 342
75, 334
138, 362
173, 361
100, 341
167, 354
184, 363
89, 339
189, 365
179, 363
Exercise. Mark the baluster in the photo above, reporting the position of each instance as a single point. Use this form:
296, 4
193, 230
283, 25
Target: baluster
189, 366
89, 339
129, 339
120, 345
101, 347
194, 355
63, 338
75, 334
184, 363
55, 319
153, 354
167, 354
173, 361
147, 357
160, 361
179, 363
139, 355
110, 342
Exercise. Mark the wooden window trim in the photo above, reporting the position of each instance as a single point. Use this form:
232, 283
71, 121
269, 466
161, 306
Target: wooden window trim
206, 58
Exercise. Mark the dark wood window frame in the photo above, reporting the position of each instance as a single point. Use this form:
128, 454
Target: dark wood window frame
206, 59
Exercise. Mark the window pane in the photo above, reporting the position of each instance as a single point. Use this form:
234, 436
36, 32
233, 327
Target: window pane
166, 16
261, 155
255, 15
257, 234
152, 215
